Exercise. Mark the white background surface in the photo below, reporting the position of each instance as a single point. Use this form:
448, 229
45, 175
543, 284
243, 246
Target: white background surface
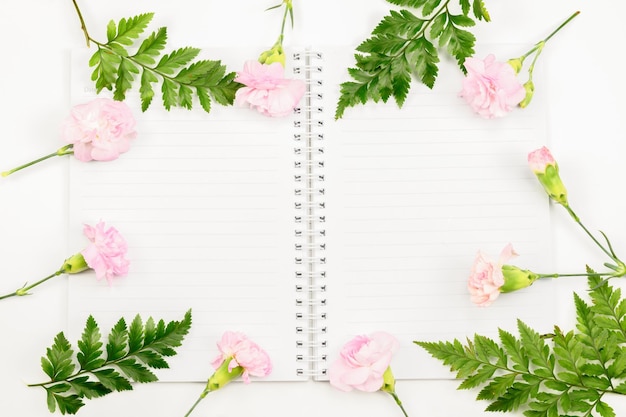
583, 86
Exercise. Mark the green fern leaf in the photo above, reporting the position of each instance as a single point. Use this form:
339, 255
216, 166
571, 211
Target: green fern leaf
480, 11
112, 380
132, 351
125, 77
88, 389
514, 397
135, 335
151, 47
105, 72
173, 61
90, 355
146, 92
152, 359
118, 338
116, 69
537, 350
564, 374
67, 404
402, 46
497, 387
515, 351
57, 363
135, 371
429, 7
460, 43
128, 29
604, 409
203, 97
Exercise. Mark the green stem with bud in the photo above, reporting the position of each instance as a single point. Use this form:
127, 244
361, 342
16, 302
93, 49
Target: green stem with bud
539, 45
517, 63
65, 150
24, 290
607, 251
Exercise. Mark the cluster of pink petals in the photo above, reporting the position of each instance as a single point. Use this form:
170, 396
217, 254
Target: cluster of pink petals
362, 362
106, 252
241, 351
267, 90
100, 130
539, 159
486, 277
491, 88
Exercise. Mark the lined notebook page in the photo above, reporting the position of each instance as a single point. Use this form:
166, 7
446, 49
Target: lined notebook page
411, 196
206, 205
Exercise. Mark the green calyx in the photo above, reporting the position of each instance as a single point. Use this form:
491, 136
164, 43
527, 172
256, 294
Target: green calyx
516, 278
74, 264
222, 376
551, 182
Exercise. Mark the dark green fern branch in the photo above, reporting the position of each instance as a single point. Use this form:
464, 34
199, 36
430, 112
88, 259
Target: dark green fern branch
561, 374
98, 369
117, 67
404, 46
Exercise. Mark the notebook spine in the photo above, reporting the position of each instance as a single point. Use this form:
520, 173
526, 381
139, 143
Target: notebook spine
309, 219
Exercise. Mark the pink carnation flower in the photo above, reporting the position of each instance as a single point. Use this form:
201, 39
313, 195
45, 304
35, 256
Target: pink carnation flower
99, 130
267, 90
486, 277
491, 88
362, 362
539, 159
106, 254
240, 351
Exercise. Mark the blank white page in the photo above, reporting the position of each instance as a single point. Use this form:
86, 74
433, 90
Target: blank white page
411, 196
206, 203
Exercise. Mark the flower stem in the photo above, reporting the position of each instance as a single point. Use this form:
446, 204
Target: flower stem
397, 400
200, 398
24, 290
82, 22
577, 220
65, 150
288, 7
539, 45
574, 275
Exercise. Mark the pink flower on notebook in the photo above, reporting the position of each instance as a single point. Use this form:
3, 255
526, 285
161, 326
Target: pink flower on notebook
99, 130
239, 356
364, 364
105, 254
486, 277
237, 351
267, 90
491, 88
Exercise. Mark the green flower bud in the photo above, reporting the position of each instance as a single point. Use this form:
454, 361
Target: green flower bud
517, 64
275, 54
222, 376
516, 278
389, 382
74, 264
543, 164
530, 90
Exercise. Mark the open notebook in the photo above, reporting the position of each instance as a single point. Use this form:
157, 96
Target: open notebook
303, 232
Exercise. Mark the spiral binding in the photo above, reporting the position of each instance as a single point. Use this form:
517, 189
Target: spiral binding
309, 219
